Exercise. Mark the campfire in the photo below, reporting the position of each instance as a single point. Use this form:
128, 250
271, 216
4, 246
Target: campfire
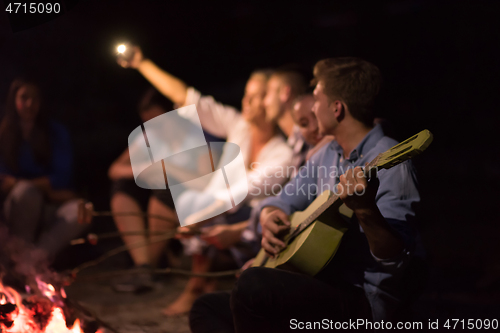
45, 310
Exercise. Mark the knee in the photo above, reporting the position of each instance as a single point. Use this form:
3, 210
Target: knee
253, 287
210, 312
68, 211
200, 308
119, 200
24, 192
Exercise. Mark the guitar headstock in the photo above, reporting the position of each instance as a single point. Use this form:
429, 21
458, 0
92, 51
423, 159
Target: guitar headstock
403, 151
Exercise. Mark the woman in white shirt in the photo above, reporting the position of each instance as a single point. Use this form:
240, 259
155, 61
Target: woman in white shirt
264, 150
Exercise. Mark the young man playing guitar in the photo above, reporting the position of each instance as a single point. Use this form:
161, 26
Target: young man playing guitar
367, 278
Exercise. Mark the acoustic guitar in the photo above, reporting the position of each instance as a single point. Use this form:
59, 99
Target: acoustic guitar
315, 233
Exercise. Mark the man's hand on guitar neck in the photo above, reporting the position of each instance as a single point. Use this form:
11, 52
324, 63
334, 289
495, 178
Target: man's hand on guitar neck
275, 224
355, 192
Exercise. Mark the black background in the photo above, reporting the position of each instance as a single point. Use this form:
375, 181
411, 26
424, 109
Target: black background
440, 61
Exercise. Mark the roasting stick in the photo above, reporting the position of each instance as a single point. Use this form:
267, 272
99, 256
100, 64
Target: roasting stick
163, 271
89, 313
86, 213
167, 235
123, 248
94, 238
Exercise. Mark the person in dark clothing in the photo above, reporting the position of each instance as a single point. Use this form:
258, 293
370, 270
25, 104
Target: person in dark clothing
38, 202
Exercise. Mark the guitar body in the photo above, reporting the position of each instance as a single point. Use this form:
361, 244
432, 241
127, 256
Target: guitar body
311, 250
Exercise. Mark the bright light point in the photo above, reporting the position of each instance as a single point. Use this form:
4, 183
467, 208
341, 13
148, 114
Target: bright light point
51, 287
121, 48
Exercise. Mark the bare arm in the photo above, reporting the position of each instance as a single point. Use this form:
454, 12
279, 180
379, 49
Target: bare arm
57, 196
121, 167
204, 214
182, 174
216, 118
42, 183
384, 242
170, 86
7, 182
224, 236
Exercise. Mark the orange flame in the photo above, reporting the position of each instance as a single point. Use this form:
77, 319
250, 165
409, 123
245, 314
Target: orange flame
57, 324
23, 323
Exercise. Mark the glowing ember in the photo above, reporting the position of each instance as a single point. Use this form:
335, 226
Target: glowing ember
22, 319
63, 293
47, 290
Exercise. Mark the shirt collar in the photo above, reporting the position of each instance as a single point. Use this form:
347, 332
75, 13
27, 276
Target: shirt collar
368, 142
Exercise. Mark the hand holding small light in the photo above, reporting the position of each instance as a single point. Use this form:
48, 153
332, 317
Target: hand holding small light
128, 55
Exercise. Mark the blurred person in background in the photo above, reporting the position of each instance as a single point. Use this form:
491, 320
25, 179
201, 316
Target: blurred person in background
38, 202
263, 148
127, 197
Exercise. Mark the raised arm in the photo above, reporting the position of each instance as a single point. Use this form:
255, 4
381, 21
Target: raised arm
172, 87
216, 118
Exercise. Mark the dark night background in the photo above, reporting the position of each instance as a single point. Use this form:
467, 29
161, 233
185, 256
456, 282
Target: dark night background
440, 61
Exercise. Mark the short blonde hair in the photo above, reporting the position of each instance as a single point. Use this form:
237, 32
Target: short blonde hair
262, 74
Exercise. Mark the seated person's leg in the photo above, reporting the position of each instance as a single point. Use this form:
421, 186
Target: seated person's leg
162, 204
23, 210
244, 249
63, 228
126, 196
201, 259
212, 313
195, 287
266, 300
